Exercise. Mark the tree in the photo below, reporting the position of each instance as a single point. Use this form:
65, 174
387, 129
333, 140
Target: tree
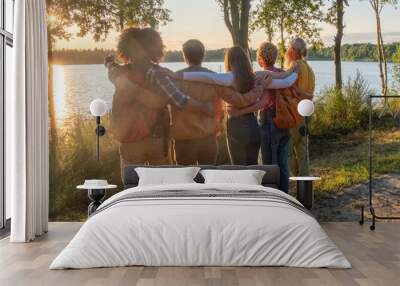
290, 17
377, 6
98, 18
59, 16
236, 17
335, 17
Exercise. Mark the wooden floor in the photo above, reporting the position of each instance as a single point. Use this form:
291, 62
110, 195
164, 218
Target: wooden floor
375, 257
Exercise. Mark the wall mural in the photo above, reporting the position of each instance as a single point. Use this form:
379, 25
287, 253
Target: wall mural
205, 106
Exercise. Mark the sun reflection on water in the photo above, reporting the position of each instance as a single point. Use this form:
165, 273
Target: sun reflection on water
59, 92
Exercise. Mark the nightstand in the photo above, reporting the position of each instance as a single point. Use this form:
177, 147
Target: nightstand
96, 190
305, 191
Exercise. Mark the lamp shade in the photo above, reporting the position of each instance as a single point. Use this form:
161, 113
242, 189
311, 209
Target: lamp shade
305, 107
98, 107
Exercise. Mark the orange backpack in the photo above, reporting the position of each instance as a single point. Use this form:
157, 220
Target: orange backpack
286, 115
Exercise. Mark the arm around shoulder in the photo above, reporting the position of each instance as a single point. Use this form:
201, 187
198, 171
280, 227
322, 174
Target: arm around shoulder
223, 79
237, 99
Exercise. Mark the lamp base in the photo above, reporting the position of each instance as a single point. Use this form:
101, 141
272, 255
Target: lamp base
305, 193
96, 198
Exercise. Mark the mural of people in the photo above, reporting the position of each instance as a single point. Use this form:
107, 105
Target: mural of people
141, 120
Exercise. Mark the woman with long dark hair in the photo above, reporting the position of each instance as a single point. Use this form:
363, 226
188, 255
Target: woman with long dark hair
243, 131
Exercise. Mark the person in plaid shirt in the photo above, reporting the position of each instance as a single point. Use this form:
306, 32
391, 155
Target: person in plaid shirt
142, 51
140, 116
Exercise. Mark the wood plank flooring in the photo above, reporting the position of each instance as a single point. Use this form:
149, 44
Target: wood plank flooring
375, 257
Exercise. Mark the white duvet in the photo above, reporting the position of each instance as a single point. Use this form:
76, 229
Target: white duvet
200, 232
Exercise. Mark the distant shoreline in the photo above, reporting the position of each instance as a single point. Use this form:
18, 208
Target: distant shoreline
350, 53
172, 62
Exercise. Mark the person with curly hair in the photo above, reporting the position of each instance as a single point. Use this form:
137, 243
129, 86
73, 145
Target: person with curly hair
140, 115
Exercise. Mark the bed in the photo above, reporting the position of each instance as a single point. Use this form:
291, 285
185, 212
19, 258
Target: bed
198, 224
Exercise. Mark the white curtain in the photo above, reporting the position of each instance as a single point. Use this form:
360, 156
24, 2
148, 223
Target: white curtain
27, 155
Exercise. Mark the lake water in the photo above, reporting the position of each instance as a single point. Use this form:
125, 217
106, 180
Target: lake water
75, 86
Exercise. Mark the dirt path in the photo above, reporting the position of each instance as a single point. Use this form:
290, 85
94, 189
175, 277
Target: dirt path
340, 206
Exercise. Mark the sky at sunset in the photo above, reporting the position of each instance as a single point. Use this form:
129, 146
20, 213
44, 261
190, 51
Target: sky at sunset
202, 19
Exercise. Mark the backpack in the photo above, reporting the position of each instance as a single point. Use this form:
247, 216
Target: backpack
286, 115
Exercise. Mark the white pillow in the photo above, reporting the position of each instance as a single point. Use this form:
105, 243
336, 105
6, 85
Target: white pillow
247, 177
166, 176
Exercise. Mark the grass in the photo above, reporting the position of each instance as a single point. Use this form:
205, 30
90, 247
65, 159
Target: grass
343, 162
75, 161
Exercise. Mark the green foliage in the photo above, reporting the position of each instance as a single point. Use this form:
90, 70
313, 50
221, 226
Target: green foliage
76, 161
340, 113
331, 15
99, 17
343, 162
289, 18
354, 52
396, 70
59, 16
350, 52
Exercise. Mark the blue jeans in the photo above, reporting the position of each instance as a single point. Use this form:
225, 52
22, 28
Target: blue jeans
275, 147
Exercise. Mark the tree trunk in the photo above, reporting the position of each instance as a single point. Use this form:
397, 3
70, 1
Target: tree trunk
121, 23
338, 43
244, 25
244, 43
381, 55
53, 138
237, 21
270, 37
51, 107
282, 48
385, 68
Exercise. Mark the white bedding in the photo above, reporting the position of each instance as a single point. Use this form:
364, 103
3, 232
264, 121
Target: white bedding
192, 231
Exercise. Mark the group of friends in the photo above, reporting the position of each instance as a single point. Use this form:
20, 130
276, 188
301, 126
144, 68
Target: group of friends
161, 117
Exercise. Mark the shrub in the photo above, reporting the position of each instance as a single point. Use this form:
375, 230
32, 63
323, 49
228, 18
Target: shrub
396, 71
341, 112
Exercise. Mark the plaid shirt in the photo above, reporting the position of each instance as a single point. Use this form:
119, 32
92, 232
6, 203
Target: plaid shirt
155, 80
166, 86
